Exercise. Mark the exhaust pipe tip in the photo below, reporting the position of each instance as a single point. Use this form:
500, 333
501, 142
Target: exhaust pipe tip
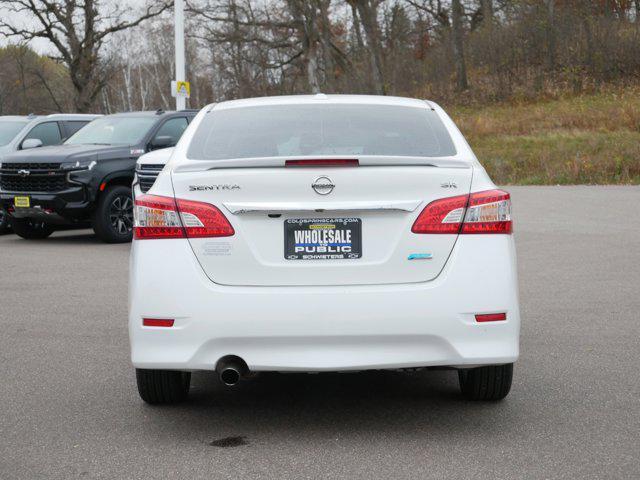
229, 376
231, 370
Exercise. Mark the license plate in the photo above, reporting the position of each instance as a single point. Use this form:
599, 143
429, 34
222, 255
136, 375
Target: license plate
22, 202
322, 238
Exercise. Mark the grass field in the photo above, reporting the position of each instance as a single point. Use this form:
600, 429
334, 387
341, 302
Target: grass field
588, 139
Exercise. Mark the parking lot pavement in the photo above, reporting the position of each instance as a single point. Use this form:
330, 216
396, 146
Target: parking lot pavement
69, 407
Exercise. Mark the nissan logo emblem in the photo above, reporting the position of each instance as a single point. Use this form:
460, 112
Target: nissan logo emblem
323, 185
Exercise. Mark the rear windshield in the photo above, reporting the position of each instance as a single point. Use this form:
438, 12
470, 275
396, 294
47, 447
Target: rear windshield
304, 130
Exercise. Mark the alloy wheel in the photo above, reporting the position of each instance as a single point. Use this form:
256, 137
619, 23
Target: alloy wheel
121, 214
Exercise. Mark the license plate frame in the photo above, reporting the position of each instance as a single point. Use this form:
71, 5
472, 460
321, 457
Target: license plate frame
345, 243
22, 202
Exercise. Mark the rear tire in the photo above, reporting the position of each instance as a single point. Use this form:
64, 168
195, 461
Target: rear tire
30, 229
113, 218
489, 383
163, 386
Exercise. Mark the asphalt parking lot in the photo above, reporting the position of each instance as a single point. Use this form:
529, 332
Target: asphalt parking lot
69, 406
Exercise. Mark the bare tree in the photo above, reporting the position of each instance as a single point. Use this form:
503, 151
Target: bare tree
551, 33
367, 11
292, 37
457, 14
78, 30
486, 8
451, 20
305, 16
246, 48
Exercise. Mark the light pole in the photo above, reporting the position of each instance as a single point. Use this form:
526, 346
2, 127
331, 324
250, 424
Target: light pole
179, 41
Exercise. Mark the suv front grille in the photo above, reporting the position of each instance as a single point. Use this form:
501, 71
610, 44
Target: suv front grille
147, 174
30, 166
41, 177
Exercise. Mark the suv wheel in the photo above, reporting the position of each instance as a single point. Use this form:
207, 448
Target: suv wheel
486, 383
4, 221
31, 229
113, 218
163, 386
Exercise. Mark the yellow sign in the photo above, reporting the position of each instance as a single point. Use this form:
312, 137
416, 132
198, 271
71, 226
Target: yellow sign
22, 202
181, 89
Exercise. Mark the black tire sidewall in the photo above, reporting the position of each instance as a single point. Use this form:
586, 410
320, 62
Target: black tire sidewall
163, 386
101, 222
489, 383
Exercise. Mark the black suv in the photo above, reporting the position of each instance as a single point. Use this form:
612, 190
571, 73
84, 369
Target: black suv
87, 180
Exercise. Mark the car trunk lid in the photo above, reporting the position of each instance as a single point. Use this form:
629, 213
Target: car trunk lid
370, 210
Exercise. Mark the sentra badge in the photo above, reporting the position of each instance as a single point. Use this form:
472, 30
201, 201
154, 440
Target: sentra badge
206, 188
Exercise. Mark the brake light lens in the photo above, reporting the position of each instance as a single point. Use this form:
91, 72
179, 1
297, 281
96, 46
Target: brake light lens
323, 162
441, 216
481, 212
488, 212
165, 217
156, 217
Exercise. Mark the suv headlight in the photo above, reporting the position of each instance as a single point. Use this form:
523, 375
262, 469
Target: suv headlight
78, 165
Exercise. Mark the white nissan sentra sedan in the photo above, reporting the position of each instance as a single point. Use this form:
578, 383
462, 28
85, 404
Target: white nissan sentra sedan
322, 233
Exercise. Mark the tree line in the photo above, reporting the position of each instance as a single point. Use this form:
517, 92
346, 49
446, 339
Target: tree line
108, 58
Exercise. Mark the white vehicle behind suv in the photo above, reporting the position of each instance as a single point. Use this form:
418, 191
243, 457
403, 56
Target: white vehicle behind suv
322, 233
148, 167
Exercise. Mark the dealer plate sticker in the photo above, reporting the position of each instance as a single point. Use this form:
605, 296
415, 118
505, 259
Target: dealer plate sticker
322, 238
22, 202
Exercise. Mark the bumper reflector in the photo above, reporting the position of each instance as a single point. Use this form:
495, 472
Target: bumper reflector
491, 317
157, 322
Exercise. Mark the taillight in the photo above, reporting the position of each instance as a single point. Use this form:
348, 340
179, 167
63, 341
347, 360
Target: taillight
156, 217
203, 220
481, 212
165, 217
441, 216
488, 212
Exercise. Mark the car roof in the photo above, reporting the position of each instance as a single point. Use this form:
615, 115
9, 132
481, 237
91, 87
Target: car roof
14, 118
71, 116
53, 116
155, 113
322, 98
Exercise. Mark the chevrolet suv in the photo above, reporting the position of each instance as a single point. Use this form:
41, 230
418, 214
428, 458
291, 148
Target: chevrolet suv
86, 180
32, 131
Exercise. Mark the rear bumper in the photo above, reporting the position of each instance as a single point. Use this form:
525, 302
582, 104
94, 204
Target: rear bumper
325, 328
